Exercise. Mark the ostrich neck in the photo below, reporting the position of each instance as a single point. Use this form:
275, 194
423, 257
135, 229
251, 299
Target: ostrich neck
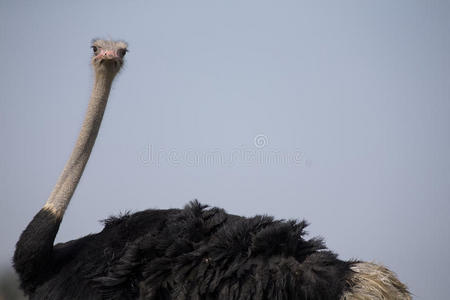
65, 187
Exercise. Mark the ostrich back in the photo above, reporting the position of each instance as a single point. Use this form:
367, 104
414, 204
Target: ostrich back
193, 253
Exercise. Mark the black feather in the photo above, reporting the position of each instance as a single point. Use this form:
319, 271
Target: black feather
193, 253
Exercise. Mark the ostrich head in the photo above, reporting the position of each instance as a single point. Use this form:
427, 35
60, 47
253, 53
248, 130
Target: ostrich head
108, 55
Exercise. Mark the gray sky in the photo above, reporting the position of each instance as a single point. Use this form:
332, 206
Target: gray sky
336, 113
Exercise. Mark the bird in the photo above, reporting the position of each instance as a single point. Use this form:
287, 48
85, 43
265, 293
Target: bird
197, 252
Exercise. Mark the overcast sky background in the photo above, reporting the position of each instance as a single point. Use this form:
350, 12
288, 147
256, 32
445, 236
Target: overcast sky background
333, 111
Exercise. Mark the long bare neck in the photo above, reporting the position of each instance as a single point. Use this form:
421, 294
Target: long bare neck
65, 187
34, 250
35, 258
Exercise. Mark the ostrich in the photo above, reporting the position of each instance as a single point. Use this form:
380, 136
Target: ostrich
197, 252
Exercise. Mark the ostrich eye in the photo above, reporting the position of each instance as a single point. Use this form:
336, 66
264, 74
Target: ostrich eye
94, 48
122, 52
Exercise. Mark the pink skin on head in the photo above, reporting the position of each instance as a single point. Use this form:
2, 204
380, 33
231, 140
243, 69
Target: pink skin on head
107, 54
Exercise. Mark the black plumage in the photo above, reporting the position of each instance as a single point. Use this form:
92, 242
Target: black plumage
193, 253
